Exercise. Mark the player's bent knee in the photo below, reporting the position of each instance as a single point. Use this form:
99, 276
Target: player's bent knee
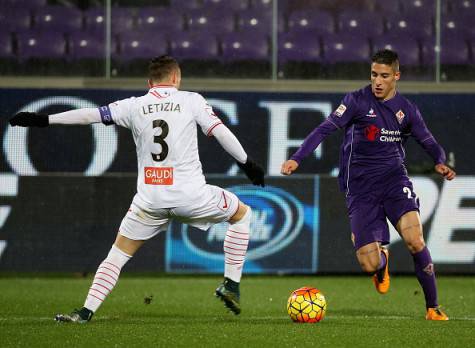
415, 245
243, 213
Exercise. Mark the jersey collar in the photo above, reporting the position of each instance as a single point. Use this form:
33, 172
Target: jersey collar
162, 90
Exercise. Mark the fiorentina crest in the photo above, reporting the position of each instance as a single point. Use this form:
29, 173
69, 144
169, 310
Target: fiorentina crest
400, 116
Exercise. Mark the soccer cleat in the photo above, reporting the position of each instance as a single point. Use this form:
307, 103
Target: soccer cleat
436, 314
230, 297
381, 278
79, 316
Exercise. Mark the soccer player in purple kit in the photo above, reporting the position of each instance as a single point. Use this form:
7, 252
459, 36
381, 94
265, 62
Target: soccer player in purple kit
376, 121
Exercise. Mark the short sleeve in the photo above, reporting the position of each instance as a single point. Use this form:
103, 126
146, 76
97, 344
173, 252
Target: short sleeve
344, 113
204, 114
119, 113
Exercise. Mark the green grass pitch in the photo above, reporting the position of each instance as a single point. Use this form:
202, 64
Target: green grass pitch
184, 312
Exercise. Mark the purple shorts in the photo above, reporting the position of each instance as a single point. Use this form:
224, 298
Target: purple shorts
368, 211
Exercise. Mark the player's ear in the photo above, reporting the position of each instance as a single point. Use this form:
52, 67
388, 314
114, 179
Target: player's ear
176, 77
150, 84
397, 75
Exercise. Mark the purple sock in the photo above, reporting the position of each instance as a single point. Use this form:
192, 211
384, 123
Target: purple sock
426, 276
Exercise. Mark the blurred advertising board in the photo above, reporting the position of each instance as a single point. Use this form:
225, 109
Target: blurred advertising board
300, 225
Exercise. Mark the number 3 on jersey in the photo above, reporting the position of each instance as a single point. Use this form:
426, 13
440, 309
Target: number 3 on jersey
160, 139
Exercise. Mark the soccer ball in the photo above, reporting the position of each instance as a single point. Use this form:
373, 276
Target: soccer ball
306, 305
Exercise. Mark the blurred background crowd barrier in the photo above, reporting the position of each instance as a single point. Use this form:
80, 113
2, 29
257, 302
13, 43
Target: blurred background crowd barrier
274, 39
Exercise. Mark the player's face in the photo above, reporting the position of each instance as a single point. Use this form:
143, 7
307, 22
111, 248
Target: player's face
383, 80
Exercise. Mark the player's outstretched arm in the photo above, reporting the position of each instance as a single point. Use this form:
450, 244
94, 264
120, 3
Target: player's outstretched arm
444, 170
29, 119
288, 167
231, 145
73, 117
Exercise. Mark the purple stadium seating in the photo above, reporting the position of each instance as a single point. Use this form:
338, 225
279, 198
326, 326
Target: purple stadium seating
466, 21
406, 47
58, 18
226, 5
184, 6
410, 25
6, 46
86, 45
15, 19
418, 7
460, 7
358, 23
123, 19
456, 25
240, 47
393, 6
345, 49
471, 44
161, 19
95, 20
206, 20
261, 5
251, 21
454, 50
299, 48
24, 4
316, 22
194, 46
137, 46
41, 45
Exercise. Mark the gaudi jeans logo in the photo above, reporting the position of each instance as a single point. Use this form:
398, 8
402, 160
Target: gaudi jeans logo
277, 219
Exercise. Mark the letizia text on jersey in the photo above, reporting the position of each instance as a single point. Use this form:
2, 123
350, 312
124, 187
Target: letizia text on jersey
160, 107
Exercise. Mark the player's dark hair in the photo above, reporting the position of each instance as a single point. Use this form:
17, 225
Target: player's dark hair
387, 57
161, 67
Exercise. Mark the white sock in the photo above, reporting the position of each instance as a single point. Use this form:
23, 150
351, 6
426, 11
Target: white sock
106, 277
235, 247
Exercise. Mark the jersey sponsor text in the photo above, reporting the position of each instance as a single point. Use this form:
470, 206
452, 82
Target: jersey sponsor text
158, 176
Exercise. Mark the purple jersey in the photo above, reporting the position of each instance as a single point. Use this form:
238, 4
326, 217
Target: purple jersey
375, 131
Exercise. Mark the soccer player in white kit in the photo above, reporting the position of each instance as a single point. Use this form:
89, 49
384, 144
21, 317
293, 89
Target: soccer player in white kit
170, 183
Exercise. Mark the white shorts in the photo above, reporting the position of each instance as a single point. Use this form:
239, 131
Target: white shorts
217, 205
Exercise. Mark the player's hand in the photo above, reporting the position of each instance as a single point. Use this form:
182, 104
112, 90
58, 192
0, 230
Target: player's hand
253, 171
29, 119
288, 167
444, 170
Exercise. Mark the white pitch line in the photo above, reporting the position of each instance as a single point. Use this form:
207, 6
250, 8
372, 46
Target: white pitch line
329, 317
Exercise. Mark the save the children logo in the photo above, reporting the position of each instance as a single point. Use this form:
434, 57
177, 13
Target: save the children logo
371, 132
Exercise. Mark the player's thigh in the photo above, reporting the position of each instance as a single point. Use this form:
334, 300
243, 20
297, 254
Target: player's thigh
409, 227
138, 224
367, 220
127, 245
217, 205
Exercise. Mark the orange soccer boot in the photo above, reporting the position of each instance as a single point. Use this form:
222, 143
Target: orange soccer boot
436, 314
381, 278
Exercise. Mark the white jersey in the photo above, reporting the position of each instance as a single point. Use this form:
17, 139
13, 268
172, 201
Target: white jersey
164, 126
